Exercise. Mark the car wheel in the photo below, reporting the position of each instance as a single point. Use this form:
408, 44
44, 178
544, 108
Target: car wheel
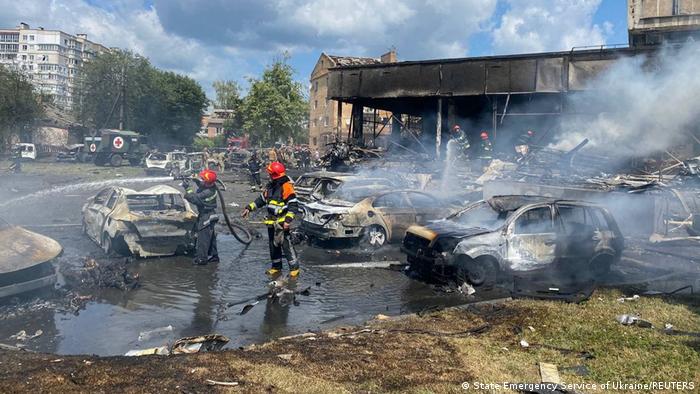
477, 272
107, 244
374, 236
115, 161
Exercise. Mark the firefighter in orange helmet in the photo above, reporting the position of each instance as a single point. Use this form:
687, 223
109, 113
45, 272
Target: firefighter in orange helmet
280, 200
204, 198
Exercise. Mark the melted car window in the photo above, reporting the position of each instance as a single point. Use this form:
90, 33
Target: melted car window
101, 197
155, 202
392, 200
157, 156
422, 201
535, 221
481, 215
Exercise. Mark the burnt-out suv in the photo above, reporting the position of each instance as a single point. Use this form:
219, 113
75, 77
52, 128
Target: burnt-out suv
516, 235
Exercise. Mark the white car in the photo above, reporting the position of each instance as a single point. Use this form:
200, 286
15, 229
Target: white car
27, 151
171, 163
156, 221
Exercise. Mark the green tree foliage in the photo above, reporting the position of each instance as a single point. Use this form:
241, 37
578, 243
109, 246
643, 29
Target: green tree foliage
165, 106
228, 96
19, 104
275, 107
200, 143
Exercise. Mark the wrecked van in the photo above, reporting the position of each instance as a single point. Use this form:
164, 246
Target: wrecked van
374, 215
516, 235
153, 222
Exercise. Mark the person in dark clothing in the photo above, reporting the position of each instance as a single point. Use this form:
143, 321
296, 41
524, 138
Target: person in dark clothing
254, 167
204, 198
485, 150
16, 165
280, 200
523, 146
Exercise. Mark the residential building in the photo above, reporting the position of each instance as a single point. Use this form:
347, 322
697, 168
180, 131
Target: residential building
213, 123
324, 126
651, 22
51, 59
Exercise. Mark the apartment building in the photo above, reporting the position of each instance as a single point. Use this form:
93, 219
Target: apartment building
51, 59
323, 113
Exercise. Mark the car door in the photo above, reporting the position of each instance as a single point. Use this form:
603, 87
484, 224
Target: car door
93, 213
426, 206
578, 235
396, 212
531, 239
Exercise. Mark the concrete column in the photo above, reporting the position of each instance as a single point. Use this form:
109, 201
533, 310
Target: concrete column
438, 129
357, 124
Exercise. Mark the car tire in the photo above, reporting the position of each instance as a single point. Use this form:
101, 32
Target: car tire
477, 272
115, 160
374, 237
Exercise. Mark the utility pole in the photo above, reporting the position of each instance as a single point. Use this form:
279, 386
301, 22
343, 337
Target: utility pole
123, 97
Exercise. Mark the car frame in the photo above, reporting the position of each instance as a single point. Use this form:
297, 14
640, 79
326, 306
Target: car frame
116, 226
482, 256
170, 163
374, 220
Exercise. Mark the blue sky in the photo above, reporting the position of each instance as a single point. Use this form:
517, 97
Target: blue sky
235, 39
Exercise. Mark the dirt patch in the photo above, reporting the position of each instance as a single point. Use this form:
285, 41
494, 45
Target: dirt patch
431, 353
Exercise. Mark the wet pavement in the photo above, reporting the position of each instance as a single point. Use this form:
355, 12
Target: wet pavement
193, 299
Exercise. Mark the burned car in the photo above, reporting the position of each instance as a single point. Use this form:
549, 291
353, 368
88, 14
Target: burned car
73, 153
314, 186
171, 163
153, 222
516, 235
374, 215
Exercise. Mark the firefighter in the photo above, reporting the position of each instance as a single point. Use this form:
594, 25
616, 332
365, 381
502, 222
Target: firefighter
254, 168
485, 149
16, 165
460, 137
204, 198
280, 200
523, 146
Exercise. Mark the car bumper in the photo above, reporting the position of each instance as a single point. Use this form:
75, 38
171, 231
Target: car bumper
330, 232
157, 246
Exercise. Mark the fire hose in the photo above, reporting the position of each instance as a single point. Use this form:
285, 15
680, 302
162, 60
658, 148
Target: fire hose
248, 237
234, 228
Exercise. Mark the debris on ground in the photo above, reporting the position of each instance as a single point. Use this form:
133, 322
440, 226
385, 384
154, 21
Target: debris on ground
23, 336
202, 343
633, 298
549, 373
160, 351
101, 273
218, 383
629, 320
146, 335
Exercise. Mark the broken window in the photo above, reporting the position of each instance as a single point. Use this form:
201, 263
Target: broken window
392, 200
574, 219
419, 200
102, 196
535, 221
599, 219
112, 200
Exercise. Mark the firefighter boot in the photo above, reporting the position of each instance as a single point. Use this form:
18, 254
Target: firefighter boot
294, 270
275, 269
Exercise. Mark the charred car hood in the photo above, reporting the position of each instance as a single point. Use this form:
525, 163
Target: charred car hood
448, 228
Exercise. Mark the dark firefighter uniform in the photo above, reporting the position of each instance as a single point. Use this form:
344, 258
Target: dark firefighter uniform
204, 198
254, 168
280, 201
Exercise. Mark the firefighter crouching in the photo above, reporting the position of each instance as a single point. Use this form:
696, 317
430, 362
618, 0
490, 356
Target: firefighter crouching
280, 200
204, 198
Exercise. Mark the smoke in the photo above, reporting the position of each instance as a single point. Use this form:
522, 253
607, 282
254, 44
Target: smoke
648, 104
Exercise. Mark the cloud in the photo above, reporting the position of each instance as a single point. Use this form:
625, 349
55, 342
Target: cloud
548, 25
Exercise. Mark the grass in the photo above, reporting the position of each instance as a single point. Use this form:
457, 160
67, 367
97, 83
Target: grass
414, 354
73, 171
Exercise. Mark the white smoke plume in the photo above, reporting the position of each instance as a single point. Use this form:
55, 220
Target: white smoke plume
649, 104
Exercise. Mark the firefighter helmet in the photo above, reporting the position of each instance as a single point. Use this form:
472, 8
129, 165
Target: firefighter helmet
208, 176
276, 170
484, 135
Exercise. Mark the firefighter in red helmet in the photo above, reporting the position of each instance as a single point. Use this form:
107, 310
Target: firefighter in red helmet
280, 200
204, 198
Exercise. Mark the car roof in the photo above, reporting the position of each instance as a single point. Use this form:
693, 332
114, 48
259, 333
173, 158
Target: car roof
157, 189
514, 202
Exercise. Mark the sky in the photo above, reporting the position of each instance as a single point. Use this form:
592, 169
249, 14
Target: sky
212, 40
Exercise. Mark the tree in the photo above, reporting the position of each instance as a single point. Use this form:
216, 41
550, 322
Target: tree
19, 104
120, 87
275, 107
228, 96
